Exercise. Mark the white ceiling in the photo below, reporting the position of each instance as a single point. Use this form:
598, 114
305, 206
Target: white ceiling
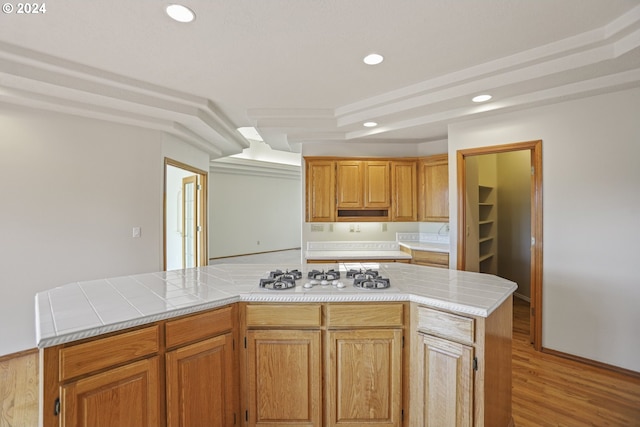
293, 68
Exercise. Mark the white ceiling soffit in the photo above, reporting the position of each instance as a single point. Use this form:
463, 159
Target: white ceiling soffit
37, 80
251, 64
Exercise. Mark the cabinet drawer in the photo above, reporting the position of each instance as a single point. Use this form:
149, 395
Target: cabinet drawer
428, 257
446, 325
105, 352
289, 315
199, 326
376, 315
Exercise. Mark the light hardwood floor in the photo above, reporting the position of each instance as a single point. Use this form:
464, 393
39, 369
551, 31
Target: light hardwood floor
552, 391
547, 390
19, 391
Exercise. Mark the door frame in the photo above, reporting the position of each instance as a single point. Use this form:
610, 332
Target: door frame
535, 148
203, 255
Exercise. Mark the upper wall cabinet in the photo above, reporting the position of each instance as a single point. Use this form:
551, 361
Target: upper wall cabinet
391, 189
321, 190
403, 190
433, 192
362, 184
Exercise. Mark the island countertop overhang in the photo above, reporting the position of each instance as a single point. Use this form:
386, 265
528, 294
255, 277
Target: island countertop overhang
86, 309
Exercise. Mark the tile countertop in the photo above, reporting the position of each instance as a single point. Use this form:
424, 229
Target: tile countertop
357, 250
86, 309
432, 242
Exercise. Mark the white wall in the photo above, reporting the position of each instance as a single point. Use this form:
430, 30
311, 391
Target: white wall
71, 190
591, 209
247, 206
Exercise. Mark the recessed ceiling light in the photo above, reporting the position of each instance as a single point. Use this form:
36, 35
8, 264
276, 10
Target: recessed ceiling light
481, 98
180, 13
369, 124
373, 59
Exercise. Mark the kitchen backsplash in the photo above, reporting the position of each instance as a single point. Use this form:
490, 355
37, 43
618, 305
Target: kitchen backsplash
371, 231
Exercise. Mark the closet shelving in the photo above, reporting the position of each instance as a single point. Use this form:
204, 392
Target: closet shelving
487, 227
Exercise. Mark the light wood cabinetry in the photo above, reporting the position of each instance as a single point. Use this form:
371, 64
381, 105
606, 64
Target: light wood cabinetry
201, 369
404, 206
461, 368
389, 189
355, 350
283, 364
428, 258
183, 371
122, 396
350, 184
364, 364
377, 193
362, 184
433, 189
320, 190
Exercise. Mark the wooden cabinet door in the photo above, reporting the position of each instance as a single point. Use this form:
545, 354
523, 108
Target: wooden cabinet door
364, 377
124, 396
321, 191
434, 189
349, 184
404, 206
285, 382
200, 384
377, 185
448, 383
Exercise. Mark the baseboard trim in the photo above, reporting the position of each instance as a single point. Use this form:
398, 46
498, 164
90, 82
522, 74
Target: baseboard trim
18, 354
254, 253
595, 363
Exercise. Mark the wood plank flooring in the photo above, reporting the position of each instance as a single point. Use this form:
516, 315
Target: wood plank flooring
19, 391
547, 390
552, 391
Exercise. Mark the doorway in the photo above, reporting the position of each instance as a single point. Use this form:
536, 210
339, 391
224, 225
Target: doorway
185, 216
477, 215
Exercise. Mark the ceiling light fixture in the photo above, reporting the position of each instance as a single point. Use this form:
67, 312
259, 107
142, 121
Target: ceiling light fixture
180, 13
481, 98
373, 59
369, 124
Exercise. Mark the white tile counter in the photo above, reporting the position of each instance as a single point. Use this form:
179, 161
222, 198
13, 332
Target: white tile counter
345, 250
86, 309
432, 242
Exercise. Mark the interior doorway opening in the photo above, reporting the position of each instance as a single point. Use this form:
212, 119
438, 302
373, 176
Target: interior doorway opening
487, 226
185, 216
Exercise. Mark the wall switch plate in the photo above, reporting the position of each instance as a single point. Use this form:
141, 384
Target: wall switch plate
137, 232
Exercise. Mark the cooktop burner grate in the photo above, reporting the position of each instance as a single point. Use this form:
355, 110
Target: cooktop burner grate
322, 275
371, 283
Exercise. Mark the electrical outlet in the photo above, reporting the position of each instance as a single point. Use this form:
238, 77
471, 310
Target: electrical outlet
384, 226
137, 232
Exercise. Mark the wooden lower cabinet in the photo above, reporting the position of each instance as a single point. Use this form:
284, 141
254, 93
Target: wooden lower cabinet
284, 373
448, 382
179, 372
123, 396
342, 365
364, 377
200, 384
460, 371
427, 258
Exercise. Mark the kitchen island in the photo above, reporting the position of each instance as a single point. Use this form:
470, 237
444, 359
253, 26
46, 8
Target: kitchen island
455, 326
